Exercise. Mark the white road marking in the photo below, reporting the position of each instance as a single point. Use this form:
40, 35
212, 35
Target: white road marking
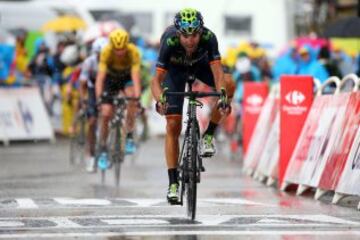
26, 203
134, 221
11, 224
183, 233
271, 221
213, 220
236, 201
145, 202
83, 201
64, 222
202, 220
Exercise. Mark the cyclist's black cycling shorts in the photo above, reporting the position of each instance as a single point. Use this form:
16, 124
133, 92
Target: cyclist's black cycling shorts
176, 79
114, 85
91, 110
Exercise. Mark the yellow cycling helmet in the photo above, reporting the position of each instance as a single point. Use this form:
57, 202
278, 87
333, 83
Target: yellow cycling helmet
119, 39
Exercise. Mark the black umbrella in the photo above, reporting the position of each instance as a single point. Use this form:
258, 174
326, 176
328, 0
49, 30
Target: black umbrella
344, 28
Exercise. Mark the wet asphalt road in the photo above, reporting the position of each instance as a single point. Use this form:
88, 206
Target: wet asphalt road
42, 197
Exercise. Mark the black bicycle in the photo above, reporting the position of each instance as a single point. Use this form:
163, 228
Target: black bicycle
190, 159
117, 137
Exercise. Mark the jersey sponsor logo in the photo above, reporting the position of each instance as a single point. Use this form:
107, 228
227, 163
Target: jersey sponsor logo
172, 41
295, 97
177, 60
206, 35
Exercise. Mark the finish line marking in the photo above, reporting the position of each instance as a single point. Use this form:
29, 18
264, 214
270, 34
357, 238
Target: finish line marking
66, 202
183, 233
26, 203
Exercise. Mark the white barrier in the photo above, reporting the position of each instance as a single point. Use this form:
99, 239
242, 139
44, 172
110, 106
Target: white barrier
341, 140
261, 132
269, 160
23, 115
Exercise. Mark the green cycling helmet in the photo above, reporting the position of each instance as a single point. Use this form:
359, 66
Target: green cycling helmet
189, 21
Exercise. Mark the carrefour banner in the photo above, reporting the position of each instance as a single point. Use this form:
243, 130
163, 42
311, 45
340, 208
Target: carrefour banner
295, 102
23, 115
254, 99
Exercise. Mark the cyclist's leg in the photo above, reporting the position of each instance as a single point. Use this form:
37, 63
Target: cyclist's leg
106, 115
92, 120
131, 106
204, 74
175, 83
110, 90
130, 147
230, 89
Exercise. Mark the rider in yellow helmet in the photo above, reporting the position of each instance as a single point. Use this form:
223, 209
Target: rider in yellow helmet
119, 70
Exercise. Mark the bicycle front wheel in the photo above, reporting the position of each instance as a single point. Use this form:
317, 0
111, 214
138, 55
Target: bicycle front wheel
117, 146
192, 171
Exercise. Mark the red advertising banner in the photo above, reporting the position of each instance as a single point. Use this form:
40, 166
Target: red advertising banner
254, 99
296, 97
261, 132
338, 153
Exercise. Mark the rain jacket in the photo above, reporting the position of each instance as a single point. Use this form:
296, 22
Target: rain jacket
312, 67
285, 64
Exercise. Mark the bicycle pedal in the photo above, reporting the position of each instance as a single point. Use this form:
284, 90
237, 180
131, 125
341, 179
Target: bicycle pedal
174, 202
207, 155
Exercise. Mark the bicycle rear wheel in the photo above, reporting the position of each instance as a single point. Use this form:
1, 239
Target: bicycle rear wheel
77, 142
103, 176
191, 186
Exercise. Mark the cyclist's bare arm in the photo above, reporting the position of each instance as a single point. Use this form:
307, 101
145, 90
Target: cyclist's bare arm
156, 83
99, 83
135, 76
218, 74
83, 89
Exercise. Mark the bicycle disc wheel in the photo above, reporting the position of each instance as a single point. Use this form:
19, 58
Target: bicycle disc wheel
192, 164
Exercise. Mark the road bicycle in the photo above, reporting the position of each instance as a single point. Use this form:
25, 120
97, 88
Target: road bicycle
190, 159
117, 137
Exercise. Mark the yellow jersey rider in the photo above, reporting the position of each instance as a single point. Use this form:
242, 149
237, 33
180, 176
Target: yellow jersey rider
119, 70
187, 46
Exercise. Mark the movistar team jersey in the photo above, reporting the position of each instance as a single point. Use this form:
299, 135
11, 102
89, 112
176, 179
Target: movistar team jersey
173, 54
89, 70
109, 62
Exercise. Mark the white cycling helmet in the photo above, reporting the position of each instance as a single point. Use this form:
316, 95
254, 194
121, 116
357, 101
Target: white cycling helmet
99, 44
243, 65
70, 55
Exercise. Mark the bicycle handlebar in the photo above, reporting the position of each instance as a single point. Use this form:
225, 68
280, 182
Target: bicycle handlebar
194, 94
